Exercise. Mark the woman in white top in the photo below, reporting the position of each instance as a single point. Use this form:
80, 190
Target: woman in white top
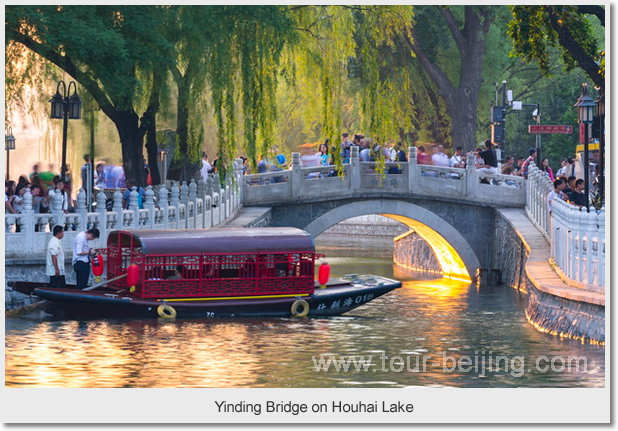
59, 185
18, 199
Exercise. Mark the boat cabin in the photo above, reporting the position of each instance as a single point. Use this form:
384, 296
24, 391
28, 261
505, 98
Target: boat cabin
214, 262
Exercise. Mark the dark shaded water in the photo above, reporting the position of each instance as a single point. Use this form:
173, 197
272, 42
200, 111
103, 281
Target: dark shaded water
455, 329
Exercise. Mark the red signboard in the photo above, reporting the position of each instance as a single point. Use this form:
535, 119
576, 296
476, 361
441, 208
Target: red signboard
544, 128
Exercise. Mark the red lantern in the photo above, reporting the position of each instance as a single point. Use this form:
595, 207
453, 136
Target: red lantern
132, 275
324, 273
97, 265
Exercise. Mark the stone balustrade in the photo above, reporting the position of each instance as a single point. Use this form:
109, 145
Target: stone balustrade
577, 237
188, 206
364, 178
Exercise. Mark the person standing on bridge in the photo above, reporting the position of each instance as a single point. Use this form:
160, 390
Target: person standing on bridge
557, 193
345, 148
526, 165
206, 166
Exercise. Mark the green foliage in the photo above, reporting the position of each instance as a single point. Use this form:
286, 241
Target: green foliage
268, 76
535, 30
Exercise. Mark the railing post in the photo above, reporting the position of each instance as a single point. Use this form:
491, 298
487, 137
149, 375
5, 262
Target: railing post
413, 171
82, 211
117, 208
601, 247
175, 202
201, 194
296, 178
355, 174
579, 243
101, 198
569, 242
591, 227
149, 205
193, 199
472, 179
56, 209
28, 220
239, 183
134, 206
164, 205
218, 199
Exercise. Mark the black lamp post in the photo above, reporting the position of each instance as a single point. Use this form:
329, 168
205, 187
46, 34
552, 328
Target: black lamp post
9, 143
65, 107
600, 113
585, 114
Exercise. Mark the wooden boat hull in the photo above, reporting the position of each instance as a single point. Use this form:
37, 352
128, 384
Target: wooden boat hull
337, 298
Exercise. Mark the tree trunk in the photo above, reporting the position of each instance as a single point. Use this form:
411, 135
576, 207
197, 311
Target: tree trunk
462, 101
152, 149
463, 127
132, 142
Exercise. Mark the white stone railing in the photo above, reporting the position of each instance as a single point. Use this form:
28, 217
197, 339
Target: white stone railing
361, 178
578, 242
194, 206
577, 237
538, 186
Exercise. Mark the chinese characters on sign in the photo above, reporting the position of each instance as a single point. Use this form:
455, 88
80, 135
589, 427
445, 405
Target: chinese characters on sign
538, 128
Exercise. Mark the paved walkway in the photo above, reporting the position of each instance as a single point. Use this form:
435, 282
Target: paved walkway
538, 269
247, 216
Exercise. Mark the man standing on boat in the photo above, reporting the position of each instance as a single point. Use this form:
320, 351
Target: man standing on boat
81, 256
55, 259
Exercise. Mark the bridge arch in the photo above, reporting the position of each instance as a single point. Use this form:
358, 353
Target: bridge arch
448, 244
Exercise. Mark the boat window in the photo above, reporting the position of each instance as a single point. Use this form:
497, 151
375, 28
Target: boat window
286, 265
230, 266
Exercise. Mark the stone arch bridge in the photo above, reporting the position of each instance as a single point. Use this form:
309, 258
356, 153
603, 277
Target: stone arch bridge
452, 209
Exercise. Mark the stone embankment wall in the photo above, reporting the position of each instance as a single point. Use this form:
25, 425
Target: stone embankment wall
28, 268
412, 251
551, 305
368, 225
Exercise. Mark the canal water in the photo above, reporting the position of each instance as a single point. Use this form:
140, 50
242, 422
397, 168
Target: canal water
432, 332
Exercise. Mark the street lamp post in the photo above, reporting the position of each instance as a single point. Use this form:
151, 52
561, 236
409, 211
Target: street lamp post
585, 114
9, 144
67, 107
600, 113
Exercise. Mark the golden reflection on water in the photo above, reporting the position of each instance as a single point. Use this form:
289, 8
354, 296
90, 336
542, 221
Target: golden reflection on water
450, 261
133, 354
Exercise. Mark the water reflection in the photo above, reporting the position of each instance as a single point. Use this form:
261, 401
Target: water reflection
437, 319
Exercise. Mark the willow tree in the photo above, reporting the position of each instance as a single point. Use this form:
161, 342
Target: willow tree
105, 49
227, 61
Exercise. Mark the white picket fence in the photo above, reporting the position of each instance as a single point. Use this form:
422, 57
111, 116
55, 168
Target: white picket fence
577, 237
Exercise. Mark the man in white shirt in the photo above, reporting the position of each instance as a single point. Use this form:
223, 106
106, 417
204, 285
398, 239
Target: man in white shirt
363, 155
81, 256
457, 161
559, 185
438, 157
206, 166
55, 259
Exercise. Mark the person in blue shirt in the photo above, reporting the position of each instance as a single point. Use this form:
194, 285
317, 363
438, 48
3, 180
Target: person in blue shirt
140, 194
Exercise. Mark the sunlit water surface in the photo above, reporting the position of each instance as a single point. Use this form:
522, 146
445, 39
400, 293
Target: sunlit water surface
440, 320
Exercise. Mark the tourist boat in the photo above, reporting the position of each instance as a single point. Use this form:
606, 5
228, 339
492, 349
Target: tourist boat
228, 272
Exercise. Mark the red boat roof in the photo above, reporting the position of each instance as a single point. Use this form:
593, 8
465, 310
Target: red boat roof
224, 240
